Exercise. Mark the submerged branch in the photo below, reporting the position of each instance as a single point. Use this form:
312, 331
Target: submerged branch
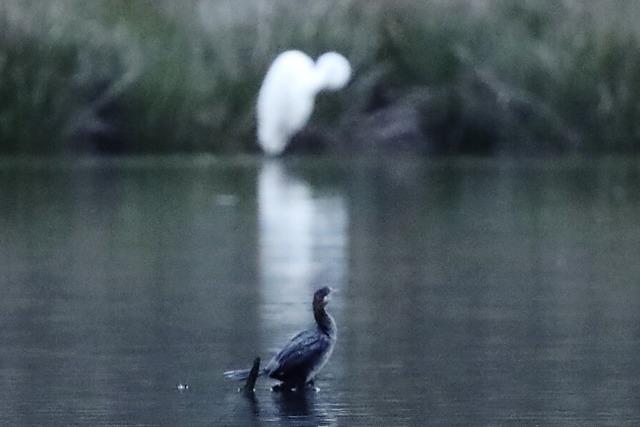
250, 385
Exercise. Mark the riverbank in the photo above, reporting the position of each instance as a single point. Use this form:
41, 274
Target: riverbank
435, 77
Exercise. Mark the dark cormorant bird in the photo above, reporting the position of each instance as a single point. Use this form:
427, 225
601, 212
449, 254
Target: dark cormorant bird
301, 359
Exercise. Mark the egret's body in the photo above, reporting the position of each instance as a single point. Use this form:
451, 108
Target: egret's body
288, 92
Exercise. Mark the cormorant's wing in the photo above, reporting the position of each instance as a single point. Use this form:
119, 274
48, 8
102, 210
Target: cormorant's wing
299, 356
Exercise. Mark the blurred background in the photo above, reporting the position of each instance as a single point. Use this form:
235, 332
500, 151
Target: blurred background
463, 76
473, 193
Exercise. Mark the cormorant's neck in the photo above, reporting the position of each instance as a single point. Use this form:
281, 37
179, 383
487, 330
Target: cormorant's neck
325, 322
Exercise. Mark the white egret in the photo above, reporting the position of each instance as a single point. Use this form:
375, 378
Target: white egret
287, 94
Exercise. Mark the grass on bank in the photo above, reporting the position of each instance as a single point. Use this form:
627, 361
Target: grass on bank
142, 76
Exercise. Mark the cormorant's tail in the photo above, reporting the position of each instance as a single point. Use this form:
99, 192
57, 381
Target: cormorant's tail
238, 374
241, 374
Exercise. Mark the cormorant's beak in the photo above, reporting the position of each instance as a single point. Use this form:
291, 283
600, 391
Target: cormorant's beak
327, 298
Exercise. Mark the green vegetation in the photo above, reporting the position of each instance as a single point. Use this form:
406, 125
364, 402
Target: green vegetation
147, 76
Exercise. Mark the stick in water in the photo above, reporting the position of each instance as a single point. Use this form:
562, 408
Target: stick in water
250, 385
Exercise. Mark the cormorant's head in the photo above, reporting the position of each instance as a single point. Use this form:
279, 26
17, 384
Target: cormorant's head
322, 296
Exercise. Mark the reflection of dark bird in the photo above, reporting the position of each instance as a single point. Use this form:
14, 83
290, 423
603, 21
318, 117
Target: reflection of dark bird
302, 358
298, 405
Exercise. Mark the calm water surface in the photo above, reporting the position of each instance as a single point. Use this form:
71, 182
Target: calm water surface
472, 292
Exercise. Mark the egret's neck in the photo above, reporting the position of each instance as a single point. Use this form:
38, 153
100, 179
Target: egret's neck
325, 322
316, 83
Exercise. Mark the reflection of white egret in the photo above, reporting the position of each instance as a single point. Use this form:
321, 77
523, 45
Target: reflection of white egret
286, 98
303, 238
